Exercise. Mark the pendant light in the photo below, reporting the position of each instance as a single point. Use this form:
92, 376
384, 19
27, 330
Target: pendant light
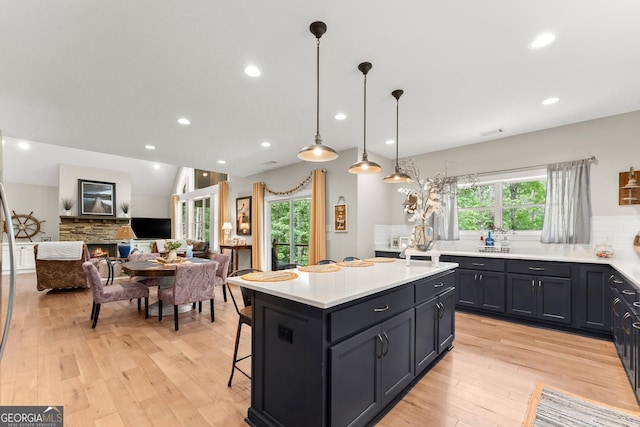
365, 166
398, 176
317, 152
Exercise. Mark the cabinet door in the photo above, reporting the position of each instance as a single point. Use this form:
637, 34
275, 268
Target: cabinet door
355, 378
467, 288
426, 338
593, 298
491, 291
446, 320
616, 319
554, 299
521, 295
398, 355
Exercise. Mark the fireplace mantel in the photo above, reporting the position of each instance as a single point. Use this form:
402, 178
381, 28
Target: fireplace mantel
94, 218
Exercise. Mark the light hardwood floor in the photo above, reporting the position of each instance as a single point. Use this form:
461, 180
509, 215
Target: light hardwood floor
135, 372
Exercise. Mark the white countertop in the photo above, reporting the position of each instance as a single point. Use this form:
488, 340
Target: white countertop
624, 259
325, 290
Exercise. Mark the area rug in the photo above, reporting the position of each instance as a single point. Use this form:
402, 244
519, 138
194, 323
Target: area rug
552, 407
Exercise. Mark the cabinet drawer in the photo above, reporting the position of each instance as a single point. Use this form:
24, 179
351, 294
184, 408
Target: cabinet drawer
539, 268
429, 287
480, 263
363, 314
627, 291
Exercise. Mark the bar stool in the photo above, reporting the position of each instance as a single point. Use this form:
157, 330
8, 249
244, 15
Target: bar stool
245, 317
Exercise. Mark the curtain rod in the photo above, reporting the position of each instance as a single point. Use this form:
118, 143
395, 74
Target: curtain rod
526, 168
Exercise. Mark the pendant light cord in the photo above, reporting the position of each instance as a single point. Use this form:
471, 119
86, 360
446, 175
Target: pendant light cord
397, 124
318, 89
365, 114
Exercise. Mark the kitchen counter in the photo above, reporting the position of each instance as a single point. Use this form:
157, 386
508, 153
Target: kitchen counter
624, 260
326, 290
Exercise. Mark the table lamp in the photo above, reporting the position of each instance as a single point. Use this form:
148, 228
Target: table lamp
226, 227
125, 233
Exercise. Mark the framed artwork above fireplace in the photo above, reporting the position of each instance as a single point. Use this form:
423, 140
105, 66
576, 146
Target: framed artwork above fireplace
96, 197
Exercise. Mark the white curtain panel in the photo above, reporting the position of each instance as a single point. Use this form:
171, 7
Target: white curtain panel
445, 222
567, 215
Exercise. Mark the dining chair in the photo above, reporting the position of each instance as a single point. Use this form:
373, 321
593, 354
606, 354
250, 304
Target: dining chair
288, 266
119, 291
245, 317
350, 258
149, 281
326, 261
193, 283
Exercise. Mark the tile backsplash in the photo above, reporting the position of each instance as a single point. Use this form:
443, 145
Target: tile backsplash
618, 231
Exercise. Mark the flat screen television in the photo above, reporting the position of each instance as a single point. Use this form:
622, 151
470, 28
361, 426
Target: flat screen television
151, 228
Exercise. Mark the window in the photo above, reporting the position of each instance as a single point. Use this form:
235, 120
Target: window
197, 207
290, 230
515, 204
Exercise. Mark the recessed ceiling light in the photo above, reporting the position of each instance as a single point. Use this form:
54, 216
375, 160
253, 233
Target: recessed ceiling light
542, 40
550, 101
184, 121
150, 147
222, 162
389, 142
156, 166
23, 145
265, 144
341, 116
252, 71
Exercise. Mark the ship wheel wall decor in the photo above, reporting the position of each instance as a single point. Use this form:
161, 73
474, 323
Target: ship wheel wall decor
25, 226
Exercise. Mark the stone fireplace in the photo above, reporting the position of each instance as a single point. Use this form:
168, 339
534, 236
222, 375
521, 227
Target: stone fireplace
96, 231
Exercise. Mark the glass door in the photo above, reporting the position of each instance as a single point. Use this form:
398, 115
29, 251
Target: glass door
289, 231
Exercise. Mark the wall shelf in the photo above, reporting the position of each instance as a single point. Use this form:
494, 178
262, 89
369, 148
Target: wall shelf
629, 192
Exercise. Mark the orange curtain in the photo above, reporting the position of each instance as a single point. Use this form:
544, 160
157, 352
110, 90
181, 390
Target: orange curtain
317, 242
174, 215
223, 208
257, 224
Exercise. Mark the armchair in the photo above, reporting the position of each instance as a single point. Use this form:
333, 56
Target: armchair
59, 272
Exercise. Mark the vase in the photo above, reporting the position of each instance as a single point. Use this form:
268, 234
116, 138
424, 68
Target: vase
422, 237
172, 255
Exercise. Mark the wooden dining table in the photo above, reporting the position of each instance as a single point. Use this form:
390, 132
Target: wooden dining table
151, 268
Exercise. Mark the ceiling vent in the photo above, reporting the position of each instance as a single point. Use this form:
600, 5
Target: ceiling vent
492, 132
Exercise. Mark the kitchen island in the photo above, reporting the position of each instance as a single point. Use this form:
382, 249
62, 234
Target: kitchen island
341, 348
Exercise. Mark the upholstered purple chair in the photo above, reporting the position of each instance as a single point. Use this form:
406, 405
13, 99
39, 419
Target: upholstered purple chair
149, 281
120, 291
224, 260
194, 283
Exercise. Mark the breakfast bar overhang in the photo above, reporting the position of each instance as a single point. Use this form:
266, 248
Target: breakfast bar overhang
341, 348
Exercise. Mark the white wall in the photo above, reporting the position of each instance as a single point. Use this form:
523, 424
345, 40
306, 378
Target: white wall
39, 199
614, 141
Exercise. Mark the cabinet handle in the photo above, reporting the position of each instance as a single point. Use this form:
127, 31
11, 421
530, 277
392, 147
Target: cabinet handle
440, 310
475, 277
386, 338
636, 304
636, 325
477, 264
438, 285
381, 309
480, 278
624, 322
533, 286
613, 306
381, 346
536, 268
627, 292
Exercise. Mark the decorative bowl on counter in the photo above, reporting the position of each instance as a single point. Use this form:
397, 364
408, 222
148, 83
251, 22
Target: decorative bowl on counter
604, 250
